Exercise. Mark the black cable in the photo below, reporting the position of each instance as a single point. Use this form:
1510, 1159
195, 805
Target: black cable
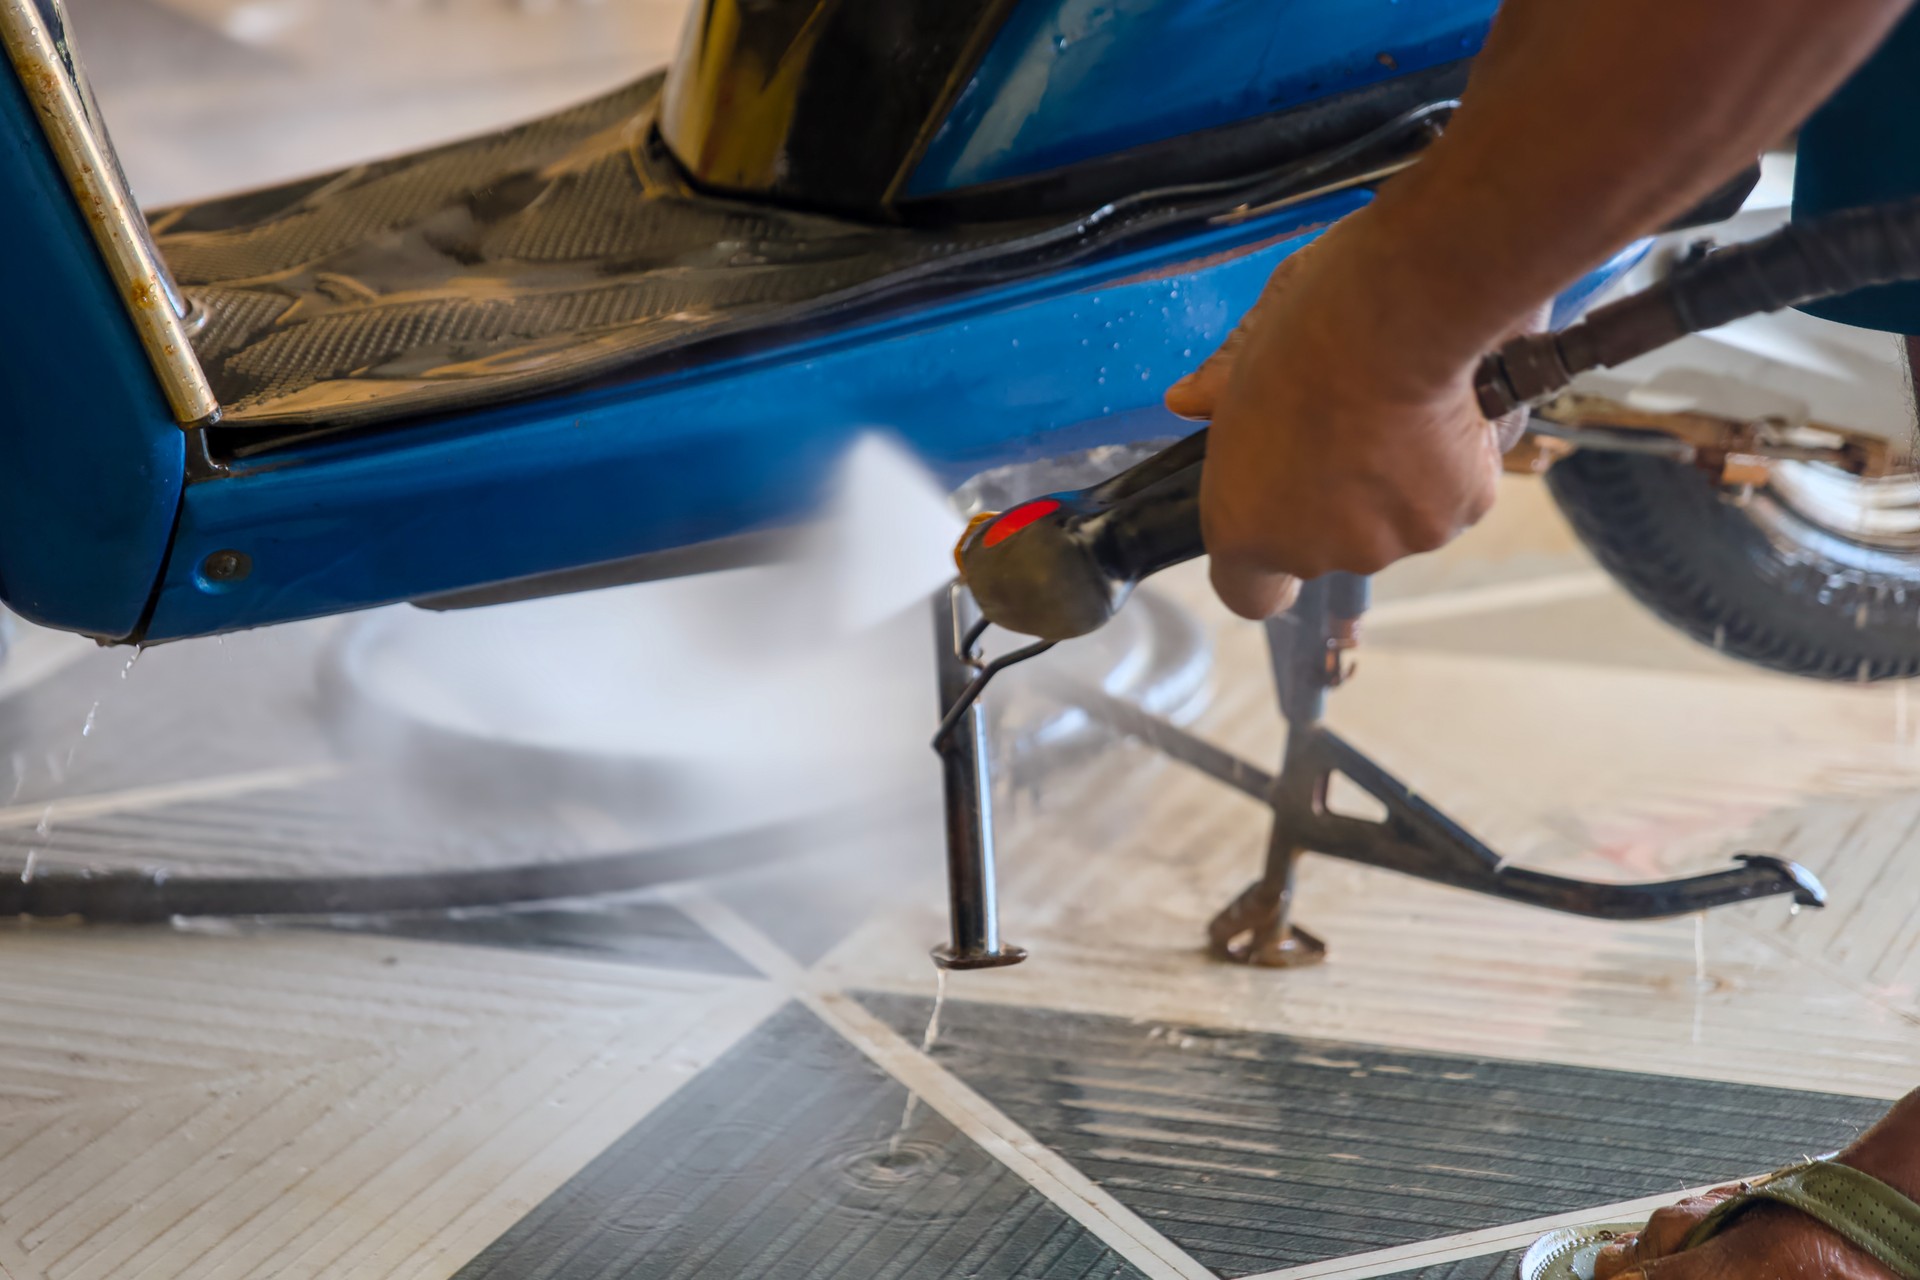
147, 897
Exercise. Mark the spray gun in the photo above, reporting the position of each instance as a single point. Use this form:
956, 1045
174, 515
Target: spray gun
1061, 565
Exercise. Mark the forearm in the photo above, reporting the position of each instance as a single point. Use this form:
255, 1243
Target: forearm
1587, 123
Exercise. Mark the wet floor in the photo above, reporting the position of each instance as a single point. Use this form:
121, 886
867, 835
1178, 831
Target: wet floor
714, 1076
738, 1074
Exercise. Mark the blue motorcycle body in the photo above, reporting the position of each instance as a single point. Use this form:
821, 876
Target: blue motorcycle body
631, 339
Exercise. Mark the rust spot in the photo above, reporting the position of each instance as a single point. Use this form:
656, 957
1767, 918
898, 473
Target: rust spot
141, 295
1388, 61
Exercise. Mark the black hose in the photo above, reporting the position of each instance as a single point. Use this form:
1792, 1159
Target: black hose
1802, 262
149, 897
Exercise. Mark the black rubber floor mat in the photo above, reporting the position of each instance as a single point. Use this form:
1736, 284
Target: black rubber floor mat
774, 1164
1491, 1266
501, 265
571, 246
1255, 1152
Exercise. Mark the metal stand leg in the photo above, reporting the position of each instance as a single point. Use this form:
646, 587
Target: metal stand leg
1308, 648
972, 898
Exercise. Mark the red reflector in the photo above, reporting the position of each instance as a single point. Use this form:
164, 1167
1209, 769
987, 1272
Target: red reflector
1017, 519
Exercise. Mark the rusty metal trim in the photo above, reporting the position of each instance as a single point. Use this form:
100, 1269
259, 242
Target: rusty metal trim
37, 43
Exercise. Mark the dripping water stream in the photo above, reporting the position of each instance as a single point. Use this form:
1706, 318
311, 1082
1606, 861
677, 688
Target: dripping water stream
927, 1041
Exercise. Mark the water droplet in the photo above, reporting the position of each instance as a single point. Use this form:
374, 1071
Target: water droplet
131, 659
1793, 908
1060, 44
1186, 353
92, 712
26, 868
1700, 951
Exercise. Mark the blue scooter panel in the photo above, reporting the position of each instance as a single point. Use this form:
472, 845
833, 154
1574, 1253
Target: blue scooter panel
1069, 80
1023, 371
91, 462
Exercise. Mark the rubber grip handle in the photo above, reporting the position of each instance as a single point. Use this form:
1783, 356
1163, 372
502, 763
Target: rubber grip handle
1061, 565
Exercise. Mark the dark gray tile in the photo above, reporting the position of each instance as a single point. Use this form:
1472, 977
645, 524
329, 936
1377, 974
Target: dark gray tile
644, 933
774, 1164
1255, 1152
1492, 1266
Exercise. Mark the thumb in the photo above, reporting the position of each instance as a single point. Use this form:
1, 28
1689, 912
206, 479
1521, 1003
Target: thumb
1195, 395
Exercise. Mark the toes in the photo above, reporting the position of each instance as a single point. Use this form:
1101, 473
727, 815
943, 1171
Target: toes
1693, 1265
1614, 1260
1664, 1236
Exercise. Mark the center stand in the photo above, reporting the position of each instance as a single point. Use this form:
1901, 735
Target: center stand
1307, 647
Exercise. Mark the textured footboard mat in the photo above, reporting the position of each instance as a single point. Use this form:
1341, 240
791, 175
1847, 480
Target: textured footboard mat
1256, 1152
502, 265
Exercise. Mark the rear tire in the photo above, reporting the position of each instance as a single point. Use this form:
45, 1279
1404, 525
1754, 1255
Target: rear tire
1753, 578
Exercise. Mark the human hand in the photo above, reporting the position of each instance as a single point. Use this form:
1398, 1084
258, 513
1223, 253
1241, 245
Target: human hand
1342, 438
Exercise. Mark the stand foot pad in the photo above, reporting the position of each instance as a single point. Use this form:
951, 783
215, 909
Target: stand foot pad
1251, 931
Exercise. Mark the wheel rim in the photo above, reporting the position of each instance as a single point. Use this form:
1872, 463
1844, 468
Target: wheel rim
1882, 512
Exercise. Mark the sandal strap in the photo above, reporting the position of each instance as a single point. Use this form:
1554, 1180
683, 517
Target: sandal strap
1857, 1206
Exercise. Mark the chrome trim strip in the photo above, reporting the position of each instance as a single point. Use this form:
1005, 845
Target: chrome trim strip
35, 35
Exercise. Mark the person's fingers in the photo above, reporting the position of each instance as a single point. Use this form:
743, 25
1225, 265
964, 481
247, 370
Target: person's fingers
1195, 395
1249, 591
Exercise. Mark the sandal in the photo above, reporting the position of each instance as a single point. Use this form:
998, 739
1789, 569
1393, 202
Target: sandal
1857, 1206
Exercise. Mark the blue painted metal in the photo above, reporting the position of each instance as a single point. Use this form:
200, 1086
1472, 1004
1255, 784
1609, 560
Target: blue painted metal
1574, 301
1066, 80
1016, 373
1862, 148
93, 463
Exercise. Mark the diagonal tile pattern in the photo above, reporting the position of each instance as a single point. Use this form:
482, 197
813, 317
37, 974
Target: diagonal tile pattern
789, 1158
654, 934
1256, 1152
305, 1105
563, 1094
1496, 1266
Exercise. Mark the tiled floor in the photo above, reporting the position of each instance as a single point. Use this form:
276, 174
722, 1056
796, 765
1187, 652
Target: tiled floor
713, 1079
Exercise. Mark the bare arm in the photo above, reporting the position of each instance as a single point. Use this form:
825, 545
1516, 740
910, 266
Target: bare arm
1345, 435
1590, 123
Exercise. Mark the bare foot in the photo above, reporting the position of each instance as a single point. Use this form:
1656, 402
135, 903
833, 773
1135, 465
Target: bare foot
1772, 1242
